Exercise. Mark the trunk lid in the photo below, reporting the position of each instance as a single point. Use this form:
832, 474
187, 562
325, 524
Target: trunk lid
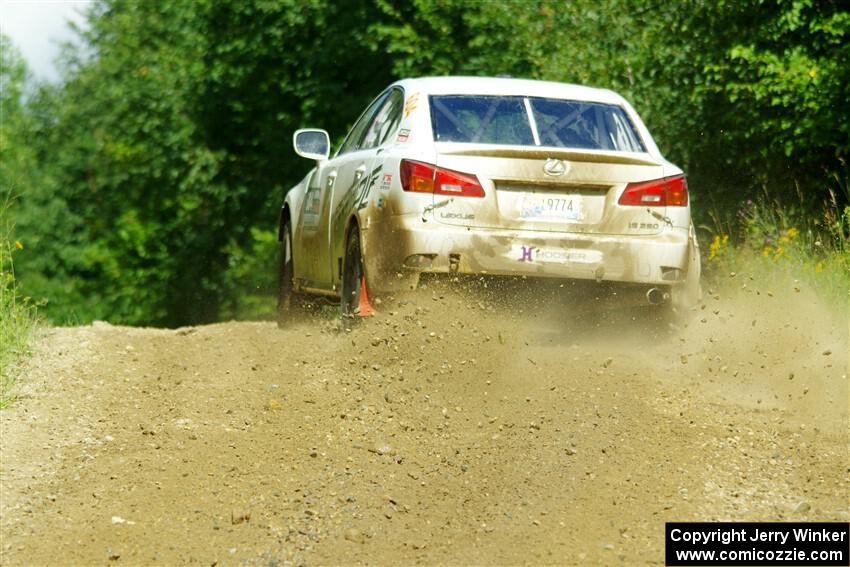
548, 189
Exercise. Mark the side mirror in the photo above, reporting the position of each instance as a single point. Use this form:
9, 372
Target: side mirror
312, 143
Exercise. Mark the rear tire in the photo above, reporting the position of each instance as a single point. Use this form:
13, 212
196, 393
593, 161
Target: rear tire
352, 278
288, 303
688, 294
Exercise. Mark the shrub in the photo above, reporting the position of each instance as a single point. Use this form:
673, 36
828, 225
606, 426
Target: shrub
18, 316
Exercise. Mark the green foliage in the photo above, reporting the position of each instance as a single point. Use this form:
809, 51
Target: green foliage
251, 292
17, 313
151, 178
762, 89
783, 244
172, 142
18, 316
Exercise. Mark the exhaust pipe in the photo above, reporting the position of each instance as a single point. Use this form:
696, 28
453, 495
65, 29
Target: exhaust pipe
656, 296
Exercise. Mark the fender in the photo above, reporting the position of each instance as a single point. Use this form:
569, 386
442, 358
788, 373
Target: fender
291, 204
284, 213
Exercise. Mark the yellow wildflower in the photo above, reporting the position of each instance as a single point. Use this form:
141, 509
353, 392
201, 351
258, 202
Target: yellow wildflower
715, 246
792, 232
819, 267
18, 245
767, 251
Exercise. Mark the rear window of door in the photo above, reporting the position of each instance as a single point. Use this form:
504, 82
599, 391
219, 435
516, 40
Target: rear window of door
385, 122
355, 137
376, 124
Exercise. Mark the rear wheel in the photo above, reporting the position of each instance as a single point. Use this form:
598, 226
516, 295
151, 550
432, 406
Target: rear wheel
288, 304
352, 277
688, 293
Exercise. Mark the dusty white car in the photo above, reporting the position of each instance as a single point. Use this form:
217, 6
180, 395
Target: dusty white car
506, 177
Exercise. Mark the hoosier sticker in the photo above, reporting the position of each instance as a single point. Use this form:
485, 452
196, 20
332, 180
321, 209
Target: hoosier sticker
551, 255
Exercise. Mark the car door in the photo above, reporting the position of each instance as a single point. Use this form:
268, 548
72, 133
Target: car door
357, 167
311, 244
314, 271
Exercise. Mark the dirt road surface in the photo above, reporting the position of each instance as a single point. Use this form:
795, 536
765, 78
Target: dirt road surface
449, 429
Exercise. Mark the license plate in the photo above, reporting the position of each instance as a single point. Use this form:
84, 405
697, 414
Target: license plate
548, 207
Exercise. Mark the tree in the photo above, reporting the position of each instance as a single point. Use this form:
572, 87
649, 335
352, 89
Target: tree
151, 178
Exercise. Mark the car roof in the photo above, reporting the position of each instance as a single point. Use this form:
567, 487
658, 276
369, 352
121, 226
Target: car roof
459, 85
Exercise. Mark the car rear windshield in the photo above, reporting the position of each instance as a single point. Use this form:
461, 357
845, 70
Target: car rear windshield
532, 121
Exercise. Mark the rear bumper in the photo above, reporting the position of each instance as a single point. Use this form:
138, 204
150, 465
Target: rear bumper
399, 248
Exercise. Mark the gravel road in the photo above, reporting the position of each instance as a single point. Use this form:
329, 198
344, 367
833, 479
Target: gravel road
448, 429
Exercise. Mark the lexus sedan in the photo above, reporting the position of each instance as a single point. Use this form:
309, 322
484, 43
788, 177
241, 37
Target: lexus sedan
496, 176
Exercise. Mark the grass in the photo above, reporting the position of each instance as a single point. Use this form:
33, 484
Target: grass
18, 317
786, 244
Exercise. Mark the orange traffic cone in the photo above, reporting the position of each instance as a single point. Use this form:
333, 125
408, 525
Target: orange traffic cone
364, 308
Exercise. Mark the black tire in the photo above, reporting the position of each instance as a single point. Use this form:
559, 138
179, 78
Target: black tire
687, 294
288, 304
352, 276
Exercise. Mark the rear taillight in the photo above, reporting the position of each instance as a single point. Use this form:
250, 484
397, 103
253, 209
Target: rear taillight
416, 177
664, 192
419, 177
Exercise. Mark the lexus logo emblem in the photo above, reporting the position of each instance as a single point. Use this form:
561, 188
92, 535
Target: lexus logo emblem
554, 167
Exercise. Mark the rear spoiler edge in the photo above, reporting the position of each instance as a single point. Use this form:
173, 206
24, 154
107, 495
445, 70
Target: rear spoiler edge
546, 152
